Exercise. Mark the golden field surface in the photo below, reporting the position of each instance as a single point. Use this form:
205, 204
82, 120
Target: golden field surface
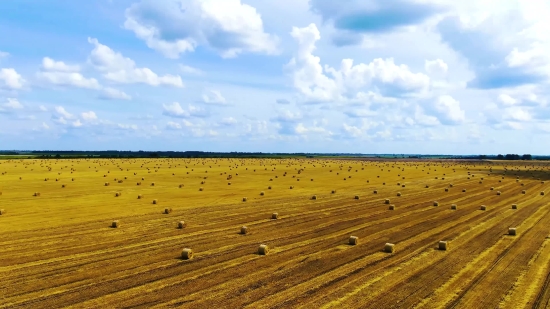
59, 249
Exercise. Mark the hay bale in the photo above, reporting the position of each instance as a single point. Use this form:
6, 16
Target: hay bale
463, 190
62, 186
333, 191
2, 212
262, 193
244, 199
117, 194
443, 245
389, 248
187, 254
392, 207
181, 224
541, 192
139, 196
353, 240
155, 201
492, 188
523, 191
314, 197
375, 191
167, 210
446, 189
483, 207
107, 184
201, 189
263, 250
387, 201
514, 206
275, 216
181, 185
453, 206
498, 192
512, 231
398, 193
436, 203
269, 188
291, 187
244, 230
115, 224
152, 184
229, 183
427, 186
36, 194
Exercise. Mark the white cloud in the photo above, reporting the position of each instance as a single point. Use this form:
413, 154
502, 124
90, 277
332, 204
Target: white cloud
42, 108
213, 97
48, 64
77, 123
449, 111
190, 70
60, 110
89, 116
173, 27
131, 127
437, 67
45, 126
348, 81
506, 100
120, 69
175, 110
10, 106
114, 94
10, 79
61, 74
173, 125
228, 121
4, 54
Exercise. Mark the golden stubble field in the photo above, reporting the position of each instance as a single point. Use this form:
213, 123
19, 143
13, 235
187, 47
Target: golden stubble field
59, 249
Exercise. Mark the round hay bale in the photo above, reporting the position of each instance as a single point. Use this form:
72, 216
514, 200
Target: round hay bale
2, 212
181, 185
523, 191
63, 186
392, 207
375, 191
512, 231
269, 188
492, 188
245, 199
451, 185
244, 230
117, 194
187, 254
182, 224
229, 183
140, 196
314, 197
541, 192
275, 216
436, 203
446, 189
115, 224
443, 245
483, 207
201, 189
387, 201
453, 206
427, 186
333, 191
152, 184
514, 206
353, 240
389, 248
398, 193
263, 250
498, 192
167, 210
356, 197
463, 190
262, 193
291, 187
155, 201
106, 184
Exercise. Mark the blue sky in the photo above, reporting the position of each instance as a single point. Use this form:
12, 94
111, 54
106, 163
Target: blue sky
404, 76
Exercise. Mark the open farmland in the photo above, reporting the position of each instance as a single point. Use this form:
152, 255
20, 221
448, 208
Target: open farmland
59, 248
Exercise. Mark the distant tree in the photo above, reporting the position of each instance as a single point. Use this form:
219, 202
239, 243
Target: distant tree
483, 156
500, 157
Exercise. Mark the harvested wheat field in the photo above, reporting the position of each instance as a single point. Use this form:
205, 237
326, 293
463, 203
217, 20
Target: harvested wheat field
80, 243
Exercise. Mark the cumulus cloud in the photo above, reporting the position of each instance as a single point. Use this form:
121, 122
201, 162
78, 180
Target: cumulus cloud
175, 110
213, 97
10, 79
10, 106
448, 110
61, 74
437, 67
114, 94
173, 27
120, 69
89, 116
349, 81
228, 121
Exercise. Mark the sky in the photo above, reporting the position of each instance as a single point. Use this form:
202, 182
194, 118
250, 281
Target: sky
347, 76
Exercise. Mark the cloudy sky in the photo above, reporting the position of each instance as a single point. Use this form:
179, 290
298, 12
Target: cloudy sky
368, 76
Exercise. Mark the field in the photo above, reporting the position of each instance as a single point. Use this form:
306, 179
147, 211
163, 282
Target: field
59, 249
